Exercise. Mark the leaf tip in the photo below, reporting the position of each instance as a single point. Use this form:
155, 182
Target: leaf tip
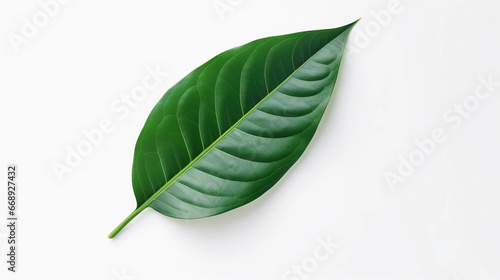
353, 23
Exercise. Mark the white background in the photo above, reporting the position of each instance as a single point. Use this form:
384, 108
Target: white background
396, 83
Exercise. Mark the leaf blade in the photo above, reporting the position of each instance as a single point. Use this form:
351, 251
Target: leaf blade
274, 131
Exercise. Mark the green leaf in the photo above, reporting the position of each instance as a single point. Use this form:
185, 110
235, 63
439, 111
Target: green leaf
229, 130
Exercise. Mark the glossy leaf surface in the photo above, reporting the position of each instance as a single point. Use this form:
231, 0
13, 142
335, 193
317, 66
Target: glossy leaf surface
229, 130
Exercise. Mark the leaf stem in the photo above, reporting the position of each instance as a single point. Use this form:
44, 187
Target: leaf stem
126, 221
